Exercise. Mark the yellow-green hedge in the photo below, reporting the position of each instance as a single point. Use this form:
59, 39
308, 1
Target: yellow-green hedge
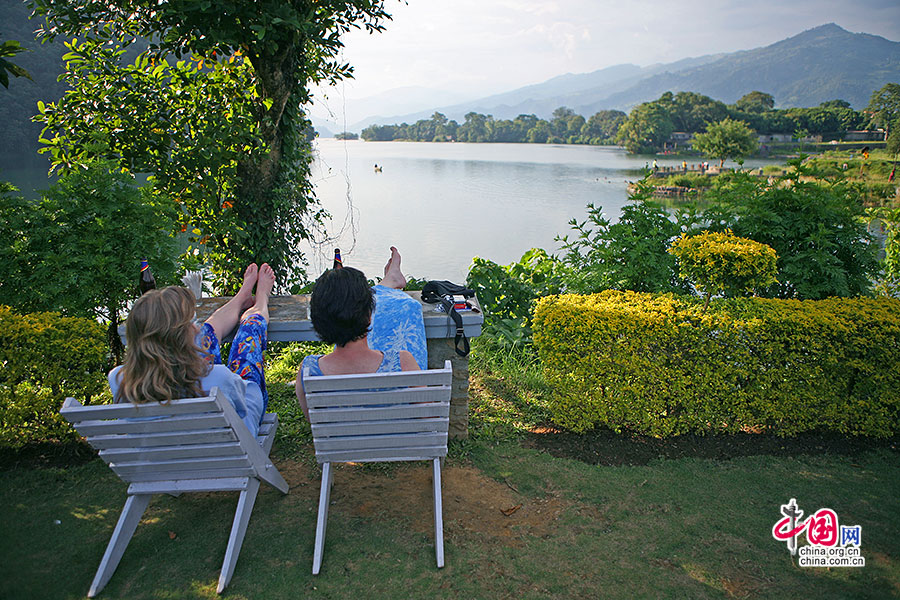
659, 365
45, 358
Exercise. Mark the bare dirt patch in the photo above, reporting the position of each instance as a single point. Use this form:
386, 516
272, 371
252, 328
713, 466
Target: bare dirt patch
475, 506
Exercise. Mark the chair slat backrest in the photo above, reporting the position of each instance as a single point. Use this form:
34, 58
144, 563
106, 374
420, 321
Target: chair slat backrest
381, 416
191, 438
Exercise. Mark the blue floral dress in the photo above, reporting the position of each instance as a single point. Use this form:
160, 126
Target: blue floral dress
397, 324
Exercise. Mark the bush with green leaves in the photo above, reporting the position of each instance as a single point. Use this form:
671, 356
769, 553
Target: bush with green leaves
888, 280
815, 227
47, 357
631, 254
77, 250
722, 263
507, 293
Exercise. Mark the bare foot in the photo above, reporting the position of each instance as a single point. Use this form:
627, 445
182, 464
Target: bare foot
393, 277
250, 275
264, 284
387, 266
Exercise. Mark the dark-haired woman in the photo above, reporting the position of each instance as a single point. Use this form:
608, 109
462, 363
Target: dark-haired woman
341, 310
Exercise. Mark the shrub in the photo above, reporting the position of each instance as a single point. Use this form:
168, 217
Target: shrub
659, 365
46, 358
83, 241
814, 226
507, 293
628, 255
722, 263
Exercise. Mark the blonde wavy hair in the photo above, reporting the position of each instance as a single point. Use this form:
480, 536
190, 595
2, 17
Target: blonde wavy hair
162, 361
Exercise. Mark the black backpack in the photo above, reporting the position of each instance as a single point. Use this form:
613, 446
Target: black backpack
442, 292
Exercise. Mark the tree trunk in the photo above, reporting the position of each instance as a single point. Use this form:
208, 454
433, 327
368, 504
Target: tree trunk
258, 174
116, 348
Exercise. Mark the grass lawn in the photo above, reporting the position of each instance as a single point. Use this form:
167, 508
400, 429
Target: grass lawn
526, 516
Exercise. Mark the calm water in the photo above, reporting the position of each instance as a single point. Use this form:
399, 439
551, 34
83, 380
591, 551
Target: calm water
442, 204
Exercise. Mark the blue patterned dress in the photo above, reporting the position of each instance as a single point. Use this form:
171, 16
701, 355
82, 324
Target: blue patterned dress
397, 324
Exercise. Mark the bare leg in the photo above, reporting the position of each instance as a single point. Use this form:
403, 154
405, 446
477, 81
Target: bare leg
393, 277
264, 285
225, 319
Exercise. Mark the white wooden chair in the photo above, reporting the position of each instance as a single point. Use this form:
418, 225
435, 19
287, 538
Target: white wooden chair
378, 418
189, 445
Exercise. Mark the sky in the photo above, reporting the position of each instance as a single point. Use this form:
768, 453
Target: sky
475, 48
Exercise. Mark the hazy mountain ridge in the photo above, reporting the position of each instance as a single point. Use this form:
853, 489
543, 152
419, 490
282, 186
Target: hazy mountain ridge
542, 98
823, 63
820, 64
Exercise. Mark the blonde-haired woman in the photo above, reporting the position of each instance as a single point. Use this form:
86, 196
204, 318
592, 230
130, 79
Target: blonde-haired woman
169, 357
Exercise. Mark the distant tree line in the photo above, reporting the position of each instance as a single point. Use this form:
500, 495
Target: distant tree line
650, 125
565, 127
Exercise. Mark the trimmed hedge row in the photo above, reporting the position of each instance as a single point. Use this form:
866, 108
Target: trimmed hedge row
45, 358
658, 365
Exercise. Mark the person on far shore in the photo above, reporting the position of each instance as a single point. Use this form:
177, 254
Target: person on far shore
374, 330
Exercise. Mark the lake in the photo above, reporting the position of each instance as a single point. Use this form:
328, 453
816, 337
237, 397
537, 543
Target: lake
443, 203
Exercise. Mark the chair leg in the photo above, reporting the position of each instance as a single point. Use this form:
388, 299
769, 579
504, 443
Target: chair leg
238, 529
438, 514
128, 522
322, 519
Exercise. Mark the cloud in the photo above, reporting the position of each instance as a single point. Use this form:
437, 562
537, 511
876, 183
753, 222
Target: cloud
482, 47
534, 8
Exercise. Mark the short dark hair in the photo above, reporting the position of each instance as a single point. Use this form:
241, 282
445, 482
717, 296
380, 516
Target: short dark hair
341, 306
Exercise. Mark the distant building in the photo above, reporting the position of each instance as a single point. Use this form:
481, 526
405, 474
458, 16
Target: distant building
679, 138
786, 138
864, 136
775, 138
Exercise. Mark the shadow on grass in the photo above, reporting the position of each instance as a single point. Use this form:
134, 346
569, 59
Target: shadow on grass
605, 447
46, 455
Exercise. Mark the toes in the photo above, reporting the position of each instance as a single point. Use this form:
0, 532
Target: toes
266, 273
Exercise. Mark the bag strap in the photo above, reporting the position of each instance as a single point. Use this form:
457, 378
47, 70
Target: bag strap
460, 332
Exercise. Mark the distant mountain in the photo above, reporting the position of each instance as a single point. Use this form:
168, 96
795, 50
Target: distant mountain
820, 64
542, 98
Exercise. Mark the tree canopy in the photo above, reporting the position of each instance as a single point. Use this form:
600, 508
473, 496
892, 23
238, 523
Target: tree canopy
727, 139
648, 127
565, 127
287, 45
885, 106
756, 102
